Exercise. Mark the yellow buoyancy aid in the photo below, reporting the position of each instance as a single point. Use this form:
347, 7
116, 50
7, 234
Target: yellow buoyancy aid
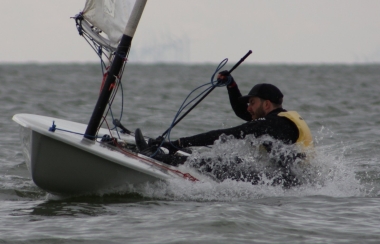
305, 139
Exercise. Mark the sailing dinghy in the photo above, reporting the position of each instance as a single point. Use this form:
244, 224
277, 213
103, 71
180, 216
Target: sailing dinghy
66, 157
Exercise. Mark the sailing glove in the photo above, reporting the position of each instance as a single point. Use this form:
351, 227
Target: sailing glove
228, 80
172, 146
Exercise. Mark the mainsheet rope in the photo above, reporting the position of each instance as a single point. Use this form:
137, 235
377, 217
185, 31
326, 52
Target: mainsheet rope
213, 83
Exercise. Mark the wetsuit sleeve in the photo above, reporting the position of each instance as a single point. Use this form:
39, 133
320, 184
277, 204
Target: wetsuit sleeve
208, 138
239, 108
279, 128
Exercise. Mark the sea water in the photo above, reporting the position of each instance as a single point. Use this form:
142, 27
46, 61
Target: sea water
340, 103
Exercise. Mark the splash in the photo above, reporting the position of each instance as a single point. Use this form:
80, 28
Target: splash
328, 173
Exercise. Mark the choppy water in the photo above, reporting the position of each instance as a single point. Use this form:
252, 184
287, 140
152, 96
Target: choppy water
340, 103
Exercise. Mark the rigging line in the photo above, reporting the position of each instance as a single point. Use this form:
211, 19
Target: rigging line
111, 132
219, 83
98, 49
182, 107
119, 78
53, 128
93, 46
102, 64
82, 32
109, 104
112, 120
167, 133
112, 97
112, 116
122, 92
213, 83
119, 84
99, 53
187, 176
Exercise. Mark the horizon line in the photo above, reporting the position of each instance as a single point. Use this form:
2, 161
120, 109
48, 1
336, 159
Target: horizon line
184, 63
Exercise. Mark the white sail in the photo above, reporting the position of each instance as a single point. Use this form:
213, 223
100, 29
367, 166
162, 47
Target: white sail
108, 16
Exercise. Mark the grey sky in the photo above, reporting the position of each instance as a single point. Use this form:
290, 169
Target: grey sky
277, 31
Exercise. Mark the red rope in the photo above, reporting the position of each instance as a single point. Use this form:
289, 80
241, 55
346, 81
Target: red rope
104, 79
130, 154
184, 175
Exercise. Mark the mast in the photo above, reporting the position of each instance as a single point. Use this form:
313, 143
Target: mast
118, 61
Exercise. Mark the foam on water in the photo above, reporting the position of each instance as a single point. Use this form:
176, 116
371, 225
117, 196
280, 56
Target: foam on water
330, 174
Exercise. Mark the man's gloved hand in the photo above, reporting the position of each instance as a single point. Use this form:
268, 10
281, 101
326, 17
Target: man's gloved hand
226, 78
155, 142
172, 146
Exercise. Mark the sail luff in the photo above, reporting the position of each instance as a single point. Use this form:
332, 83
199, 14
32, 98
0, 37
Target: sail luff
117, 63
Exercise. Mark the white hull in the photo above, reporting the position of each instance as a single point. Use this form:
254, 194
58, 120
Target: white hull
65, 163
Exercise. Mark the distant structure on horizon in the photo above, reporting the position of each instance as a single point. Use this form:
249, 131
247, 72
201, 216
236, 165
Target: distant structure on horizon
374, 57
163, 49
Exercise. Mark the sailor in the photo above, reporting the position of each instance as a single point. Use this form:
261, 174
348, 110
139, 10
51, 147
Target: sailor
263, 111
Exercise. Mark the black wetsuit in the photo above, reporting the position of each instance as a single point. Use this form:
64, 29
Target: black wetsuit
277, 127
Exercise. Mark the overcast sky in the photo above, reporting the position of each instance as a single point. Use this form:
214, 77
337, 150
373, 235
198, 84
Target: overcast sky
198, 31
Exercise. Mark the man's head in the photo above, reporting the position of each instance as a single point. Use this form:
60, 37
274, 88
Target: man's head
262, 99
